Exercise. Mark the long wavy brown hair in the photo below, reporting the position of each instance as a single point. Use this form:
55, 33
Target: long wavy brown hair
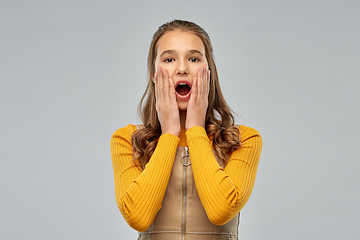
219, 121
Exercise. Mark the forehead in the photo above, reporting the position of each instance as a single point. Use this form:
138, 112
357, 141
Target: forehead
180, 42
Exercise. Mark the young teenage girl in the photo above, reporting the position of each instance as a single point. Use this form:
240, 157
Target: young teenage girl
187, 171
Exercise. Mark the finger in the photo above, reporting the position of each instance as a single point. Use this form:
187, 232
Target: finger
160, 83
172, 95
201, 83
197, 84
194, 90
165, 84
156, 80
208, 83
204, 83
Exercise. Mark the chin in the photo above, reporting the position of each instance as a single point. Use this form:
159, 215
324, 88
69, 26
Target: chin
182, 106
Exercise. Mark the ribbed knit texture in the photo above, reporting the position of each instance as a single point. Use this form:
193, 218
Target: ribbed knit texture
139, 193
223, 192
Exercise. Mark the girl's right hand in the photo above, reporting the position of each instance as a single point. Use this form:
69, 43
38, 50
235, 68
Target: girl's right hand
166, 105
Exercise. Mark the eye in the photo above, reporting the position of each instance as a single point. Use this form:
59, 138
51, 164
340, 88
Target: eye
194, 59
167, 60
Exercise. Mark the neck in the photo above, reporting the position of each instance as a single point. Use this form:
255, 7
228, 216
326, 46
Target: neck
182, 117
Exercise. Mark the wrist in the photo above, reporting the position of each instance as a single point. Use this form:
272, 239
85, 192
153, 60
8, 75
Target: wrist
194, 125
172, 132
196, 133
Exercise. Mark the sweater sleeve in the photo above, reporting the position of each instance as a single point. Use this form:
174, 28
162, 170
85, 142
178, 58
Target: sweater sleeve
138, 192
224, 192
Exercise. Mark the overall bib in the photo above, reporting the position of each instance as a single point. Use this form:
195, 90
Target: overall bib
182, 216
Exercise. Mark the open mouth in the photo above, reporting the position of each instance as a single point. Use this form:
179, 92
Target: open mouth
183, 88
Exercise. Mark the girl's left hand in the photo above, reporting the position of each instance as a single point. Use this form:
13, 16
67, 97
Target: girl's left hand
198, 102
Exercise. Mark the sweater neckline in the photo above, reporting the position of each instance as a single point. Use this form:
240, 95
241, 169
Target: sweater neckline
182, 136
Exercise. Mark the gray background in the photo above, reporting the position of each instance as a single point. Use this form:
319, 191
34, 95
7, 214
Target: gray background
72, 72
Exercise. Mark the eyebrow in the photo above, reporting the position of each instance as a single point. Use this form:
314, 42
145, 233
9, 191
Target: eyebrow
173, 51
196, 51
167, 51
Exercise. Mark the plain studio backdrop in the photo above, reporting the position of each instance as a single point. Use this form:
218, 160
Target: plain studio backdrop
72, 72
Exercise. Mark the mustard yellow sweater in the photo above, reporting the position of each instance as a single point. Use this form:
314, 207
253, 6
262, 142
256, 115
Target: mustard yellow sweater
223, 192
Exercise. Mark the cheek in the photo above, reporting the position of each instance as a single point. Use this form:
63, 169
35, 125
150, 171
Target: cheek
170, 70
195, 71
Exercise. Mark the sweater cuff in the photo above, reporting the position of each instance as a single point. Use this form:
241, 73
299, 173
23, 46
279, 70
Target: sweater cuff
169, 140
195, 133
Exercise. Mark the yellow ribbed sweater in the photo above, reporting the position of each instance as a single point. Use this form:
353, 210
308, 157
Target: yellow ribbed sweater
223, 192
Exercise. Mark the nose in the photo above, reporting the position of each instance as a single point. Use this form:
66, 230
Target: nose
182, 69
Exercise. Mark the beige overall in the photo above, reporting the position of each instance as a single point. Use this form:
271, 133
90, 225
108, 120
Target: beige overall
182, 216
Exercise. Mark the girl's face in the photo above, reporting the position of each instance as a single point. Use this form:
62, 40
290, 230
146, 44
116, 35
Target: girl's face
181, 54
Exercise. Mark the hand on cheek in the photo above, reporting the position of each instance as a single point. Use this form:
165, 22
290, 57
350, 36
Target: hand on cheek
166, 105
198, 102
